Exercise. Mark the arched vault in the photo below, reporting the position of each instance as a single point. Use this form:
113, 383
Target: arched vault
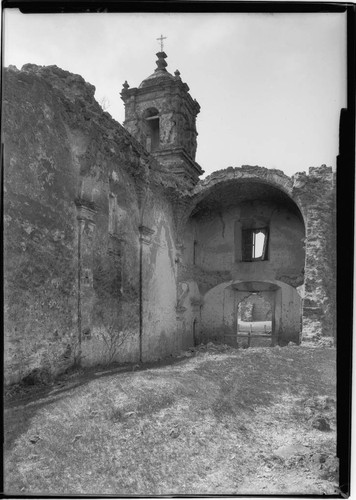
235, 185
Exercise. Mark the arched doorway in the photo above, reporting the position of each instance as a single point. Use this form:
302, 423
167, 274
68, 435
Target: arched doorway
255, 320
219, 318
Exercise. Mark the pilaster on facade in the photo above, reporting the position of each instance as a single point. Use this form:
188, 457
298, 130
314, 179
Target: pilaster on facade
86, 210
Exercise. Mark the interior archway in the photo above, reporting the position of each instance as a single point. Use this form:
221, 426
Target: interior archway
221, 245
255, 319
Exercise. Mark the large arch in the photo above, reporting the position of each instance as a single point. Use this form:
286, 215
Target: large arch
215, 219
238, 208
233, 177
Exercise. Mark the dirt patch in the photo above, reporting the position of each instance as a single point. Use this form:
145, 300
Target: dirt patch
220, 421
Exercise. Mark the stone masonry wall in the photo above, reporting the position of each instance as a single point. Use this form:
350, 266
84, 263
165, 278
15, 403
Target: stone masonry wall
74, 183
317, 194
314, 194
91, 227
40, 235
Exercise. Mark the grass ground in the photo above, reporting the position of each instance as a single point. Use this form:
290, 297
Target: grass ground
220, 421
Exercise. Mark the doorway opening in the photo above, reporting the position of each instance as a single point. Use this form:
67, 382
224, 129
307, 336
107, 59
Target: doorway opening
254, 321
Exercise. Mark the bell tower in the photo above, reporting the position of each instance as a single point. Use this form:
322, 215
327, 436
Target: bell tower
161, 115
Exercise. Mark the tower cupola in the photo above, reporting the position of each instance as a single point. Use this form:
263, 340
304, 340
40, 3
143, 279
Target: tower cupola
161, 115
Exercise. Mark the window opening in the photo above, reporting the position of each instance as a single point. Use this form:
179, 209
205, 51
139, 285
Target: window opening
151, 118
254, 244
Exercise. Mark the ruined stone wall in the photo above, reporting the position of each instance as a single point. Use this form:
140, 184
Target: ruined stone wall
316, 192
74, 187
306, 260
40, 233
255, 309
94, 263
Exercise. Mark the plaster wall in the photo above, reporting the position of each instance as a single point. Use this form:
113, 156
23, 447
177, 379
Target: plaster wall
189, 314
214, 312
291, 316
217, 239
159, 287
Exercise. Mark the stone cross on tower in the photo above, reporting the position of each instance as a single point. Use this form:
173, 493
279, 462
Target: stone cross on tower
161, 38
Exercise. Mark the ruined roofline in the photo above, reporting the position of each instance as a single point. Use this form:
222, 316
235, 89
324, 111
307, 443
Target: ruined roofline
299, 188
248, 172
63, 80
242, 168
235, 172
73, 88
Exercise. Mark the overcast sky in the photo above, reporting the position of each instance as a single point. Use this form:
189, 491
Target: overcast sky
270, 86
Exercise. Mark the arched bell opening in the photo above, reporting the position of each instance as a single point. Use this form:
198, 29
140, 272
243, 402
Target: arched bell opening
151, 122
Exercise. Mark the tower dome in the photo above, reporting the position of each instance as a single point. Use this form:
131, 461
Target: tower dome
160, 74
